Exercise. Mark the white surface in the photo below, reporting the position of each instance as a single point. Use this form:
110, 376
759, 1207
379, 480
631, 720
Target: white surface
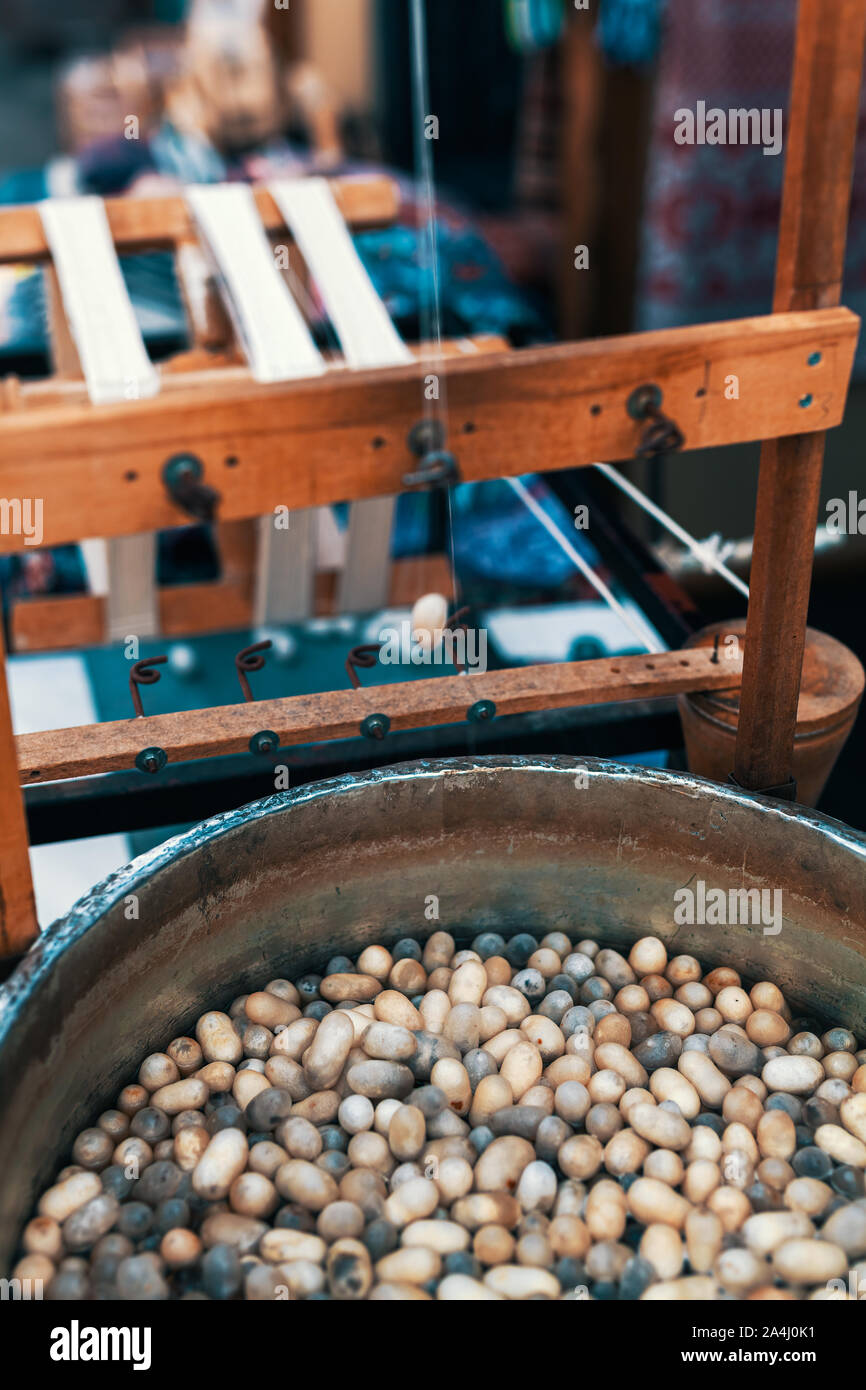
98, 309
63, 873
275, 338
54, 692
49, 692
547, 634
362, 323
368, 339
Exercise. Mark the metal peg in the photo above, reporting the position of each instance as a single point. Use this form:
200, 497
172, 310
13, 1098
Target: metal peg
375, 726
142, 674
183, 476
481, 712
250, 659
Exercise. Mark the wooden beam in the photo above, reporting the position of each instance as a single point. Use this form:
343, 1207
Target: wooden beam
139, 224
214, 368
582, 83
60, 753
18, 925
343, 436
61, 621
825, 102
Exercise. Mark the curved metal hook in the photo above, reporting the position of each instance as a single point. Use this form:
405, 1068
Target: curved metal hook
662, 435
250, 659
364, 656
143, 674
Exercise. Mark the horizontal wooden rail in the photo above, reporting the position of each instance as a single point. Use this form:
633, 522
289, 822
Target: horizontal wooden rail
335, 714
61, 621
343, 436
140, 224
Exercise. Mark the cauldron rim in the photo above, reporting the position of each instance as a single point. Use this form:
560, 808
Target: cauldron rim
61, 935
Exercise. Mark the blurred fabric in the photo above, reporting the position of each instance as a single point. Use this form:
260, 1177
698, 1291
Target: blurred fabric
712, 211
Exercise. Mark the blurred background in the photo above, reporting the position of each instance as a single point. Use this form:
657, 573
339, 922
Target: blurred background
555, 132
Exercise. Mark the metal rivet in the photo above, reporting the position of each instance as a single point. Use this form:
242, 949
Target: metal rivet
481, 711
181, 466
425, 436
643, 399
264, 742
375, 726
151, 760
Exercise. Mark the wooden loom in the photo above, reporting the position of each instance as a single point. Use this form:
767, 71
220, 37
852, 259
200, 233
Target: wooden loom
344, 435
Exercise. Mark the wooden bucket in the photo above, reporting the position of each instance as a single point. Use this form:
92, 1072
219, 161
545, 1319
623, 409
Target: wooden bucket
830, 696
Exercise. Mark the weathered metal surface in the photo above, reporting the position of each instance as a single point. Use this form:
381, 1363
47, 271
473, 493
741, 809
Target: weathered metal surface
273, 889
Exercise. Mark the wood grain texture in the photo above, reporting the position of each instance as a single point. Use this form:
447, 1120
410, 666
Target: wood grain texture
139, 224
338, 714
582, 73
821, 137
18, 925
212, 369
342, 437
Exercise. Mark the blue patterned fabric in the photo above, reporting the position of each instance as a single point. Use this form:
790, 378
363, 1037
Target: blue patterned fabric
711, 212
493, 536
629, 31
476, 295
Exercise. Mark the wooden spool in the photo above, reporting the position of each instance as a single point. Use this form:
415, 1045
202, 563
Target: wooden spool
830, 694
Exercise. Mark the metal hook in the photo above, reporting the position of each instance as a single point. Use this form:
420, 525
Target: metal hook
183, 476
142, 674
456, 624
265, 743
250, 659
364, 656
437, 467
375, 725
662, 435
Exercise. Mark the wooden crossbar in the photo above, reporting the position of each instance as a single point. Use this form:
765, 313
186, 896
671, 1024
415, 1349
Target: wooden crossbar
143, 224
343, 436
335, 714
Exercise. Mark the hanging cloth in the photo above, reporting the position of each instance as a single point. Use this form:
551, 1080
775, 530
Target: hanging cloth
533, 24
629, 31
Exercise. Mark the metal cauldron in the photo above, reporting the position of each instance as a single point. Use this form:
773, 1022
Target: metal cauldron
275, 888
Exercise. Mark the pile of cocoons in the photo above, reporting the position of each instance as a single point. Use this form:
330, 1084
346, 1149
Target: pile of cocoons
522, 1119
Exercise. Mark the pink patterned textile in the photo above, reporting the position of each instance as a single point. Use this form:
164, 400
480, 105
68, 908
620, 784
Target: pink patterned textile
712, 210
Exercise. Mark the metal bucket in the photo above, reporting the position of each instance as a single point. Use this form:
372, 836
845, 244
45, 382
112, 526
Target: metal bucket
274, 889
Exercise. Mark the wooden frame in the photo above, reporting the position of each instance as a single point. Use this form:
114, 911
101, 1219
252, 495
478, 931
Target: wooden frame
558, 407
59, 753
79, 620
133, 603
343, 436
825, 104
148, 224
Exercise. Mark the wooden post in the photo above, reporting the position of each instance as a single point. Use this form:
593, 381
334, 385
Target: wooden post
821, 135
18, 925
580, 175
